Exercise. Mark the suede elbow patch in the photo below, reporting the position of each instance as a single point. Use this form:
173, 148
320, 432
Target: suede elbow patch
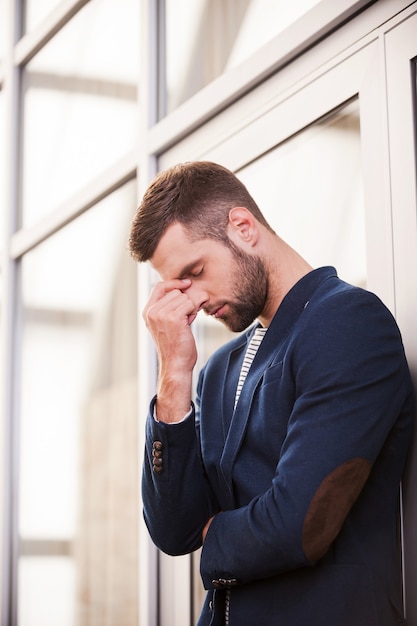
331, 504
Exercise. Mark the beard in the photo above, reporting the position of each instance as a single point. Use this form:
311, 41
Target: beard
250, 293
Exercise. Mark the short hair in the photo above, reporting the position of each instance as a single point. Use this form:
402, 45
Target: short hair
198, 195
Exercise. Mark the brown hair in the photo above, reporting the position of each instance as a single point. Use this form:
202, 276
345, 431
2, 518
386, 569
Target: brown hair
198, 195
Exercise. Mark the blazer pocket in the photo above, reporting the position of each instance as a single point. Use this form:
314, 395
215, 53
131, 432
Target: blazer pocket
272, 373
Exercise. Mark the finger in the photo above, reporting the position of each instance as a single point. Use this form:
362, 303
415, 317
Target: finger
163, 287
160, 291
173, 307
175, 304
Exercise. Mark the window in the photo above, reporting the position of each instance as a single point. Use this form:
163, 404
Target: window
78, 480
206, 38
36, 11
80, 104
311, 191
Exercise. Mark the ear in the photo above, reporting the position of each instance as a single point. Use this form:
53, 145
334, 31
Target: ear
243, 227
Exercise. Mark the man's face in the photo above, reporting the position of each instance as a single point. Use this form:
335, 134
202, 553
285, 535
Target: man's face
226, 282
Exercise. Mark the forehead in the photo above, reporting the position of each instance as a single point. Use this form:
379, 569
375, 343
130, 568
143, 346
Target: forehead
176, 253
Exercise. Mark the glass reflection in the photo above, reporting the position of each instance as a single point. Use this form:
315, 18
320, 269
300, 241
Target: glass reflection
78, 481
35, 11
310, 189
80, 104
205, 38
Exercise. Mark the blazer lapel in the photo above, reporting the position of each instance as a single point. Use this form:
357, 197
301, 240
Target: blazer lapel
285, 318
239, 417
231, 377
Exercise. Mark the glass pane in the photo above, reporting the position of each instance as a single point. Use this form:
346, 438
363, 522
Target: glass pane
78, 482
80, 104
48, 583
311, 191
35, 12
205, 38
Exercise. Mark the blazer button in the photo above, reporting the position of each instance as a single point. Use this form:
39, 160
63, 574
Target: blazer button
157, 461
222, 583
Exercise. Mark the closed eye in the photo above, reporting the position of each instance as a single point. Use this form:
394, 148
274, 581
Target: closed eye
192, 270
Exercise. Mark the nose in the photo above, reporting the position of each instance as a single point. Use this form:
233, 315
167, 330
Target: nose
198, 295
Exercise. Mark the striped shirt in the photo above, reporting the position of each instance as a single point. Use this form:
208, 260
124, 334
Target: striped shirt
251, 350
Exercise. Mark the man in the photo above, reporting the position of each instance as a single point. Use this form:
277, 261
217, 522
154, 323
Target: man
288, 470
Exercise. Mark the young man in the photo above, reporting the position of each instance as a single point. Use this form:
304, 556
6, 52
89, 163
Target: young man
287, 470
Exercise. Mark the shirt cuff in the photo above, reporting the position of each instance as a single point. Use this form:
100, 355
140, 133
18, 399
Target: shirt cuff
178, 422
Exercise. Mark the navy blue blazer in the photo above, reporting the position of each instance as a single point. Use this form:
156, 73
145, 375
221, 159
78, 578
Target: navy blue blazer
303, 476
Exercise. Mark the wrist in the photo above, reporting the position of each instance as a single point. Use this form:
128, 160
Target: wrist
173, 399
170, 415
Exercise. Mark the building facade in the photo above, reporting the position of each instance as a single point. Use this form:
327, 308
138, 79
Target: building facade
313, 105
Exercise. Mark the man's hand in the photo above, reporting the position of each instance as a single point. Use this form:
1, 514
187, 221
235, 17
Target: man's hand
168, 316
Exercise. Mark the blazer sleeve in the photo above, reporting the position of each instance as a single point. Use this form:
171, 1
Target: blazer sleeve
350, 384
177, 499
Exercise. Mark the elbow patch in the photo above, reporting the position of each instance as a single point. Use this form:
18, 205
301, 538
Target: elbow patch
331, 504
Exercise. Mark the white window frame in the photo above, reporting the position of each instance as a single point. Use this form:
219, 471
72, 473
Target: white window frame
400, 50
